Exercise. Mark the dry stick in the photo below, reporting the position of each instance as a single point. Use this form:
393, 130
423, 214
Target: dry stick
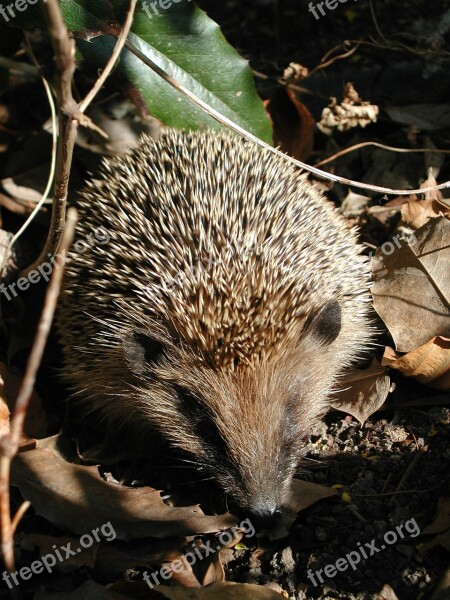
358, 516
413, 491
113, 58
333, 59
215, 114
9, 444
378, 145
71, 114
412, 465
64, 53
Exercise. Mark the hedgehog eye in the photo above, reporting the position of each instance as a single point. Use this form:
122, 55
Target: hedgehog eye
326, 324
141, 352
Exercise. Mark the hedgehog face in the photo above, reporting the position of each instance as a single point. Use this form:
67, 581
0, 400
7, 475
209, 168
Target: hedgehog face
245, 425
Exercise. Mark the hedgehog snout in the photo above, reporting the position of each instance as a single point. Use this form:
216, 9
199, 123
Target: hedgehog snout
263, 512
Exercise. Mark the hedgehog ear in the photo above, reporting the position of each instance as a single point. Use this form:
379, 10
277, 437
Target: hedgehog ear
326, 324
141, 352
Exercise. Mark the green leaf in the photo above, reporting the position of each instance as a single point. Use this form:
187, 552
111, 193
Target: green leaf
183, 41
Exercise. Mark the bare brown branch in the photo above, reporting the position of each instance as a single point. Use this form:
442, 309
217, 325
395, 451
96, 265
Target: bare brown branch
70, 113
9, 443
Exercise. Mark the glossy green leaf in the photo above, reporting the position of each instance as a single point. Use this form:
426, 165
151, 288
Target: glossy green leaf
181, 39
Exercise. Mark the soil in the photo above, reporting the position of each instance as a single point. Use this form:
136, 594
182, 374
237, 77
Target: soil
369, 465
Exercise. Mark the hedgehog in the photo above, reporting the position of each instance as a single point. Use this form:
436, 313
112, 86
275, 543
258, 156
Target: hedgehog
228, 301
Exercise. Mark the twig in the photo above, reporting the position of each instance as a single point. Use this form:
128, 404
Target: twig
426, 54
412, 465
378, 145
355, 512
18, 516
375, 21
9, 444
327, 63
412, 491
232, 125
113, 58
20, 67
64, 53
71, 114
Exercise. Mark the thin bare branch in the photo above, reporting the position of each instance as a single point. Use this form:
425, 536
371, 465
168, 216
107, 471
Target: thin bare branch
378, 145
64, 53
70, 114
113, 59
18, 516
9, 443
226, 121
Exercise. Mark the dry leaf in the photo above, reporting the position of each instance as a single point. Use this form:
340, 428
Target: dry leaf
440, 526
75, 497
85, 558
387, 593
303, 494
89, 590
36, 420
416, 214
116, 557
354, 205
24, 194
429, 364
441, 591
441, 521
352, 112
293, 124
412, 286
4, 411
363, 391
5, 240
109, 558
226, 590
214, 573
184, 576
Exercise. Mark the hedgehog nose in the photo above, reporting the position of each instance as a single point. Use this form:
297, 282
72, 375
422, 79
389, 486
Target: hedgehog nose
264, 515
